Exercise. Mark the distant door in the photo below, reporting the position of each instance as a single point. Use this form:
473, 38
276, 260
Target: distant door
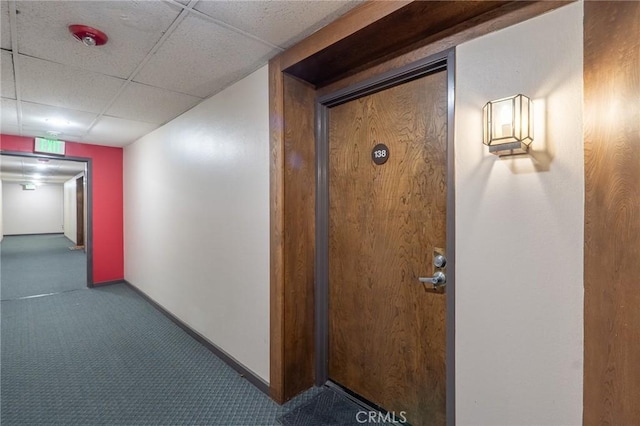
80, 211
386, 329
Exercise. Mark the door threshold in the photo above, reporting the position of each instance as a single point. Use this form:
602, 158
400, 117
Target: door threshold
365, 403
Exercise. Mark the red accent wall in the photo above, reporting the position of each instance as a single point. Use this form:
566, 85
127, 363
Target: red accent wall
106, 181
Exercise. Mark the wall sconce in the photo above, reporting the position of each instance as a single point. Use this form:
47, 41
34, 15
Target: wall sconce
508, 125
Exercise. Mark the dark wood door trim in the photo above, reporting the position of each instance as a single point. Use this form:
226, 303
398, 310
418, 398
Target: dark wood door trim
288, 251
277, 369
80, 211
351, 23
438, 62
612, 213
422, 22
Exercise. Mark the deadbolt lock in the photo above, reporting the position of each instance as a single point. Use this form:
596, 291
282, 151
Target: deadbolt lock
439, 261
439, 278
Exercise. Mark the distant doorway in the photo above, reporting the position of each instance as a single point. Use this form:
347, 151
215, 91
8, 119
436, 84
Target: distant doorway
80, 212
46, 202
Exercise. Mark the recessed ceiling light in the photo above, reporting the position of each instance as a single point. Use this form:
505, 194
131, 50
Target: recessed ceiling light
58, 122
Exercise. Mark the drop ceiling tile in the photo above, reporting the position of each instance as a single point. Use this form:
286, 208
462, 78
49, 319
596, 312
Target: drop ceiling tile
9, 130
133, 28
7, 84
113, 131
65, 167
72, 138
39, 132
45, 117
11, 164
55, 84
52, 166
5, 28
8, 114
215, 57
280, 22
19, 169
150, 104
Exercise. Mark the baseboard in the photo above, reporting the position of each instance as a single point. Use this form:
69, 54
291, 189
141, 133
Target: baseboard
106, 283
228, 359
30, 235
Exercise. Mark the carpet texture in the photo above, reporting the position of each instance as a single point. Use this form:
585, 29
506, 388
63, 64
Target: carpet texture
326, 408
40, 264
105, 356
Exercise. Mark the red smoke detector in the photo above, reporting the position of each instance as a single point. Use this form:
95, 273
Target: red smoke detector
88, 36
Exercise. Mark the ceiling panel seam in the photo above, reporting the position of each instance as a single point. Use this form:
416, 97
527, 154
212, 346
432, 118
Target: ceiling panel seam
10, 53
137, 120
49, 105
225, 25
154, 49
16, 61
67, 65
76, 67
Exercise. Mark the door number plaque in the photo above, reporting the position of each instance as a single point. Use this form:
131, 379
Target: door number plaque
380, 154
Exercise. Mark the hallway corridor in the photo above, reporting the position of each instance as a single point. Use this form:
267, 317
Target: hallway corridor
105, 355
40, 264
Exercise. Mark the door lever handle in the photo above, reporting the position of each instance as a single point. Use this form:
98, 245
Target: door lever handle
438, 279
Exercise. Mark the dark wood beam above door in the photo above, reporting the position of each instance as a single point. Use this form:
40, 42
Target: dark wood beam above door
406, 28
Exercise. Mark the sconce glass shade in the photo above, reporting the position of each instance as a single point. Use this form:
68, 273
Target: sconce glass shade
508, 125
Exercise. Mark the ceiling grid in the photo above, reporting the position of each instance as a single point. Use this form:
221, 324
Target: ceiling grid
16, 62
162, 58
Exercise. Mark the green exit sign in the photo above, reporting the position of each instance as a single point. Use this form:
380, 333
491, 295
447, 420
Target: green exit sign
49, 146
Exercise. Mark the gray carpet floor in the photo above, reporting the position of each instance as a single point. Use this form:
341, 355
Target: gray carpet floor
39, 264
328, 408
106, 356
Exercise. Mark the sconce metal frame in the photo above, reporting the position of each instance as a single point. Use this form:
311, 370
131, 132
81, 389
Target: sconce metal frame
508, 125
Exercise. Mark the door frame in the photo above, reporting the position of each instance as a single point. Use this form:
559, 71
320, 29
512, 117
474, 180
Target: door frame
372, 38
80, 208
444, 61
88, 233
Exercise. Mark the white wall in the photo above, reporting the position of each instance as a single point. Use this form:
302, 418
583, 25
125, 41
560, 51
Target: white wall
70, 214
31, 212
519, 230
196, 212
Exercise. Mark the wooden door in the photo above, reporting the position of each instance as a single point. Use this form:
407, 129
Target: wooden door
80, 211
386, 329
